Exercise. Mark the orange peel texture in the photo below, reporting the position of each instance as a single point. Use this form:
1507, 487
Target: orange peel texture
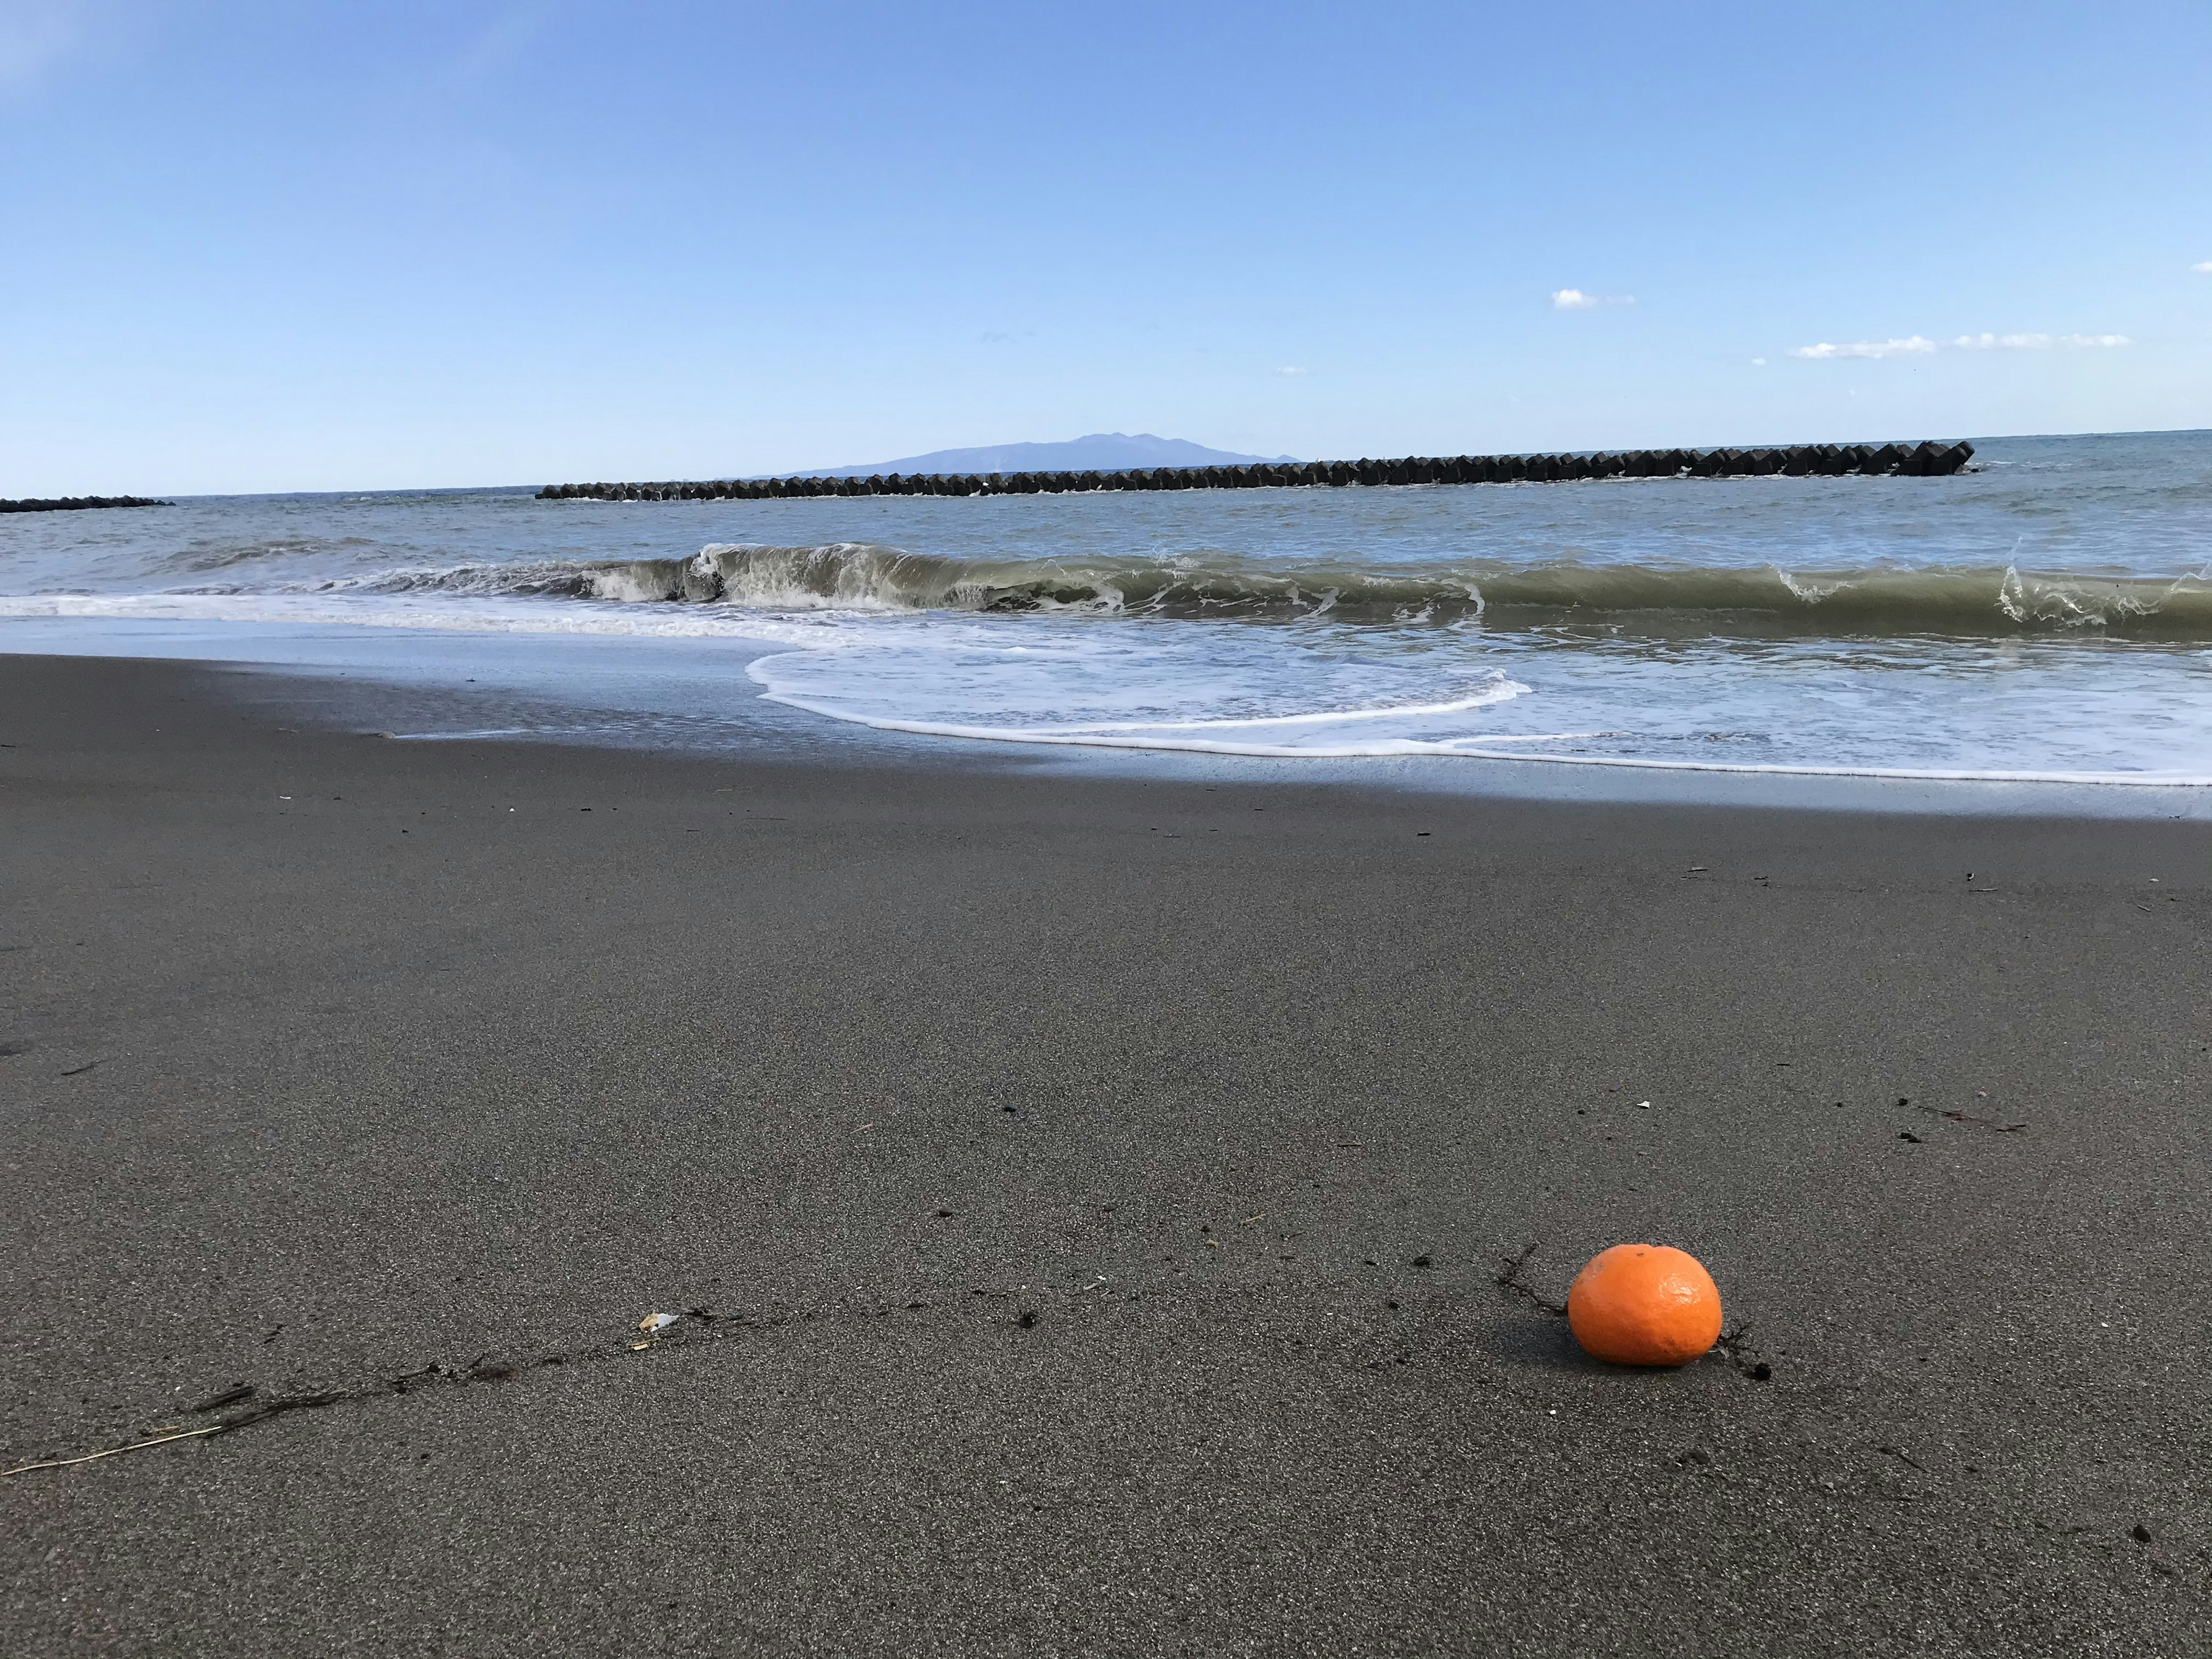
1644, 1304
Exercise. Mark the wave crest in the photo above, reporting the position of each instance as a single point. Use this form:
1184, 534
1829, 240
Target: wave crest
862, 576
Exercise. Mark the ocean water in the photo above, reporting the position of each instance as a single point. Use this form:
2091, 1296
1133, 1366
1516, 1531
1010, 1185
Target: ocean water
2046, 615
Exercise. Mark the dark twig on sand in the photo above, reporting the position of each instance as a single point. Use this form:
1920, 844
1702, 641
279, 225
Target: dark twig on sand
283, 1403
1508, 1277
485, 1372
1999, 1126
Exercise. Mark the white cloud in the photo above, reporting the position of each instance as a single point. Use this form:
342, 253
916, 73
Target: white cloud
1293, 373
1911, 346
2035, 342
1573, 299
1758, 362
1918, 346
2203, 267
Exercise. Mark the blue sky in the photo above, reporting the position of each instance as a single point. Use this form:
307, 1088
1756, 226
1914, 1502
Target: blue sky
304, 246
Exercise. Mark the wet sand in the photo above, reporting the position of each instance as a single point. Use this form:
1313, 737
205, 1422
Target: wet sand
1094, 1195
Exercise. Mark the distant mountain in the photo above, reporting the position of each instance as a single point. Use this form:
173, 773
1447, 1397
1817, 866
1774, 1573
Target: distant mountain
1101, 452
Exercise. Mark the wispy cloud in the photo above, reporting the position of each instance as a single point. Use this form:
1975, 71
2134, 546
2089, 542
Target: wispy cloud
36, 34
1911, 346
2203, 267
1573, 299
1295, 374
2035, 342
1919, 345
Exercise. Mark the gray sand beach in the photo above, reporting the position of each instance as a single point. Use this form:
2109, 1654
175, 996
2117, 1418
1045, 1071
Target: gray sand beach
1103, 1216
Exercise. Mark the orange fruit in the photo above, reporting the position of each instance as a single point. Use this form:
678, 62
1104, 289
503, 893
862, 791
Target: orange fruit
1644, 1304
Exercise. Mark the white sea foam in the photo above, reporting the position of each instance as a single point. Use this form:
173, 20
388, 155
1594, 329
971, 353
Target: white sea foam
1811, 590
1502, 691
1477, 746
444, 614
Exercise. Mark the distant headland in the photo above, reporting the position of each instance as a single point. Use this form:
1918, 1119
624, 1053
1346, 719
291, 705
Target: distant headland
1099, 451
77, 503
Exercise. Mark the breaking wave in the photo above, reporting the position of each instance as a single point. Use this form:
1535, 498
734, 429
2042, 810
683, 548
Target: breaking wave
860, 577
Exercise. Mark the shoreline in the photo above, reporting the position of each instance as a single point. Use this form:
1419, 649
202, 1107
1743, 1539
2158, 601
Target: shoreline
582, 692
2035, 625
1096, 1192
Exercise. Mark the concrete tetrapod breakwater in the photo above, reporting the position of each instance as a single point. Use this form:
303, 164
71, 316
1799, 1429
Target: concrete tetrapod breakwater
77, 503
1927, 459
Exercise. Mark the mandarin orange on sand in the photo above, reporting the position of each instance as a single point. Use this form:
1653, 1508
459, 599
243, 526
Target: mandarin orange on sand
1644, 1304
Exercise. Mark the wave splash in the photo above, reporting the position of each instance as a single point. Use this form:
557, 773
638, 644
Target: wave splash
861, 576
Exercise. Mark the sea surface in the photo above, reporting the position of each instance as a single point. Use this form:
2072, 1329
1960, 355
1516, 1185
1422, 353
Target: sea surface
2046, 615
